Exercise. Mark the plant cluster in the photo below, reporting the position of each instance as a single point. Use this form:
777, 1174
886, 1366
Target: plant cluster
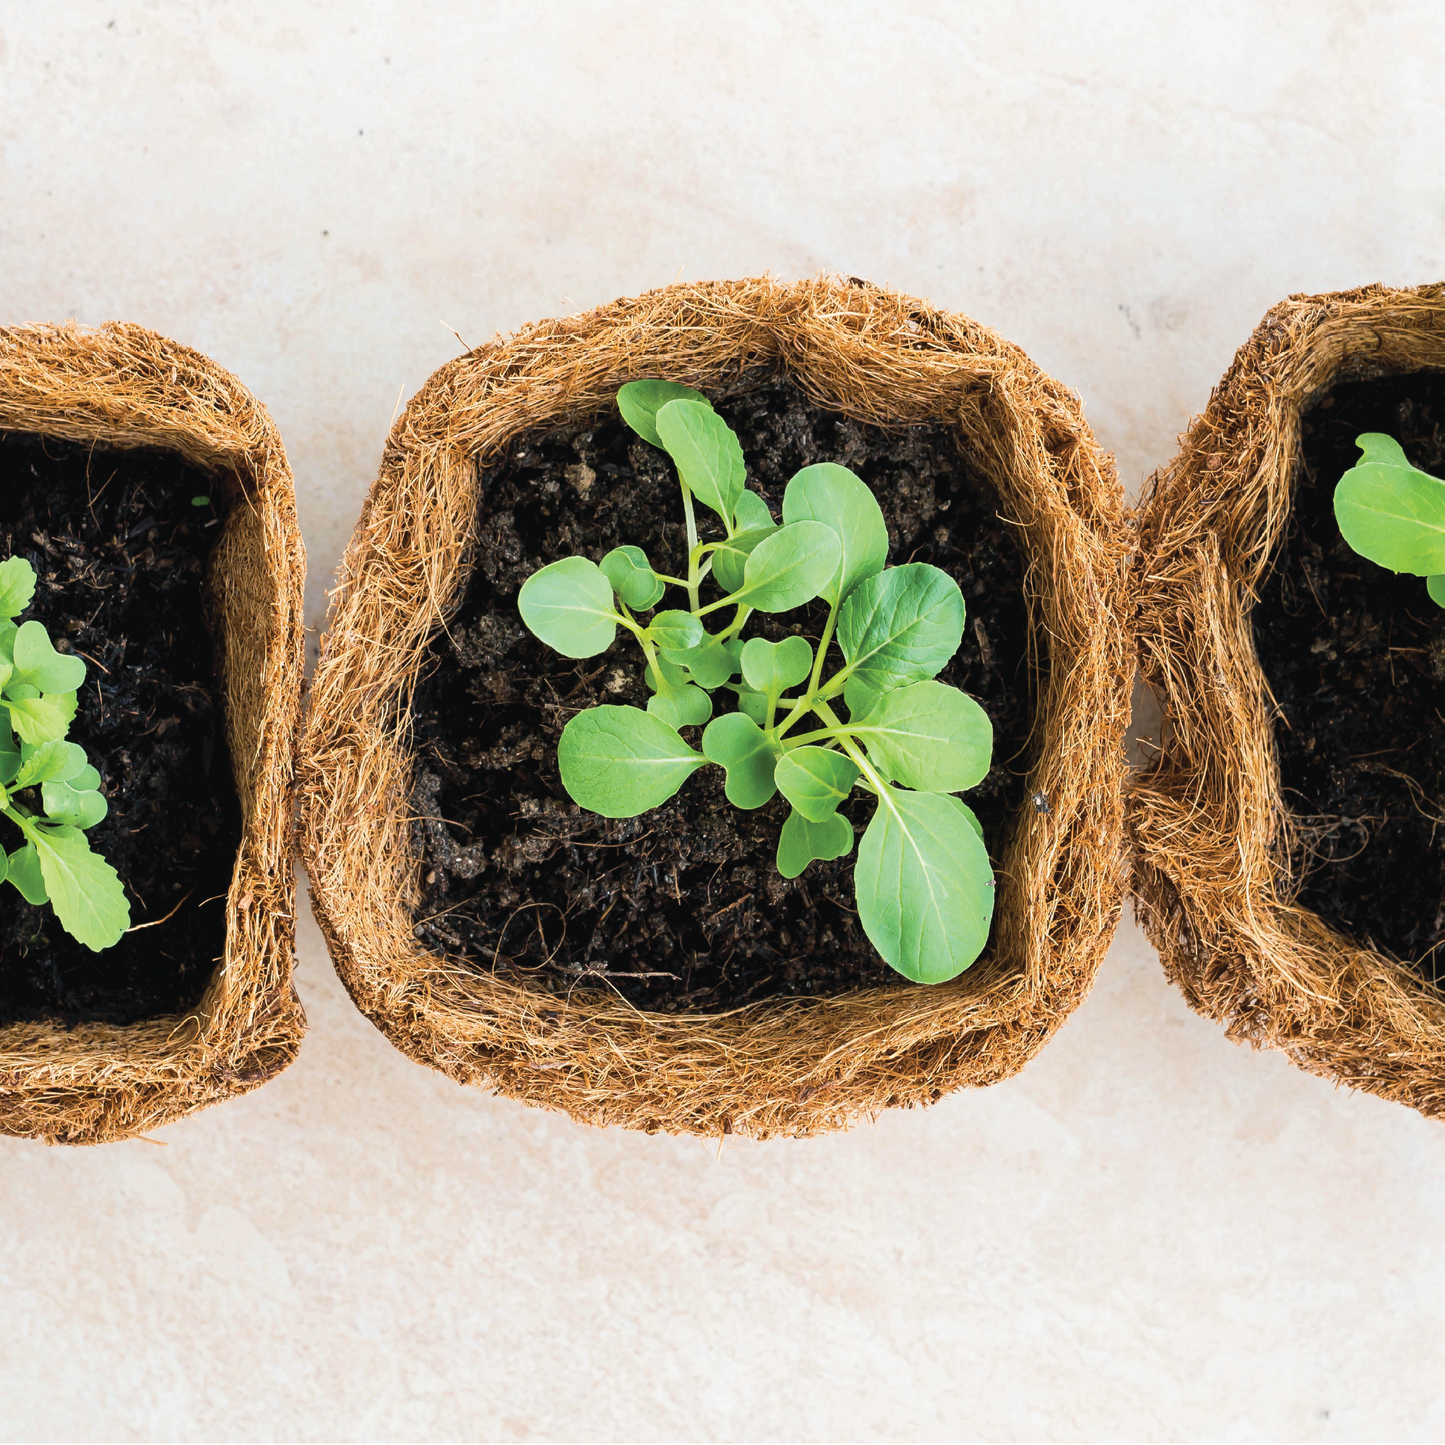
1393, 513
879, 722
47, 788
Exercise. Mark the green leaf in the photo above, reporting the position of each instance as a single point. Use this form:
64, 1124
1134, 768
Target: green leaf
640, 401
815, 780
833, 495
801, 842
85, 891
39, 719
927, 736
754, 705
710, 662
621, 761
773, 666
901, 625
23, 870
70, 803
17, 586
709, 456
1436, 588
730, 558
687, 706
1391, 512
568, 605
790, 567
750, 513
970, 817
631, 577
50, 762
38, 664
675, 630
736, 743
923, 884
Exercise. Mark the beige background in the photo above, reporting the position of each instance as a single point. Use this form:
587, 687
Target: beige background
1149, 1233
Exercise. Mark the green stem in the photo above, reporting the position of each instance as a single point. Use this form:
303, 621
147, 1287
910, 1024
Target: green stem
692, 553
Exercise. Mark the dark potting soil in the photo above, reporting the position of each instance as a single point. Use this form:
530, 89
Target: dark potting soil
1355, 656
681, 909
120, 557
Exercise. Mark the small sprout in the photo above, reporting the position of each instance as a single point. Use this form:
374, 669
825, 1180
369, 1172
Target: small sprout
200, 501
923, 882
1394, 514
54, 865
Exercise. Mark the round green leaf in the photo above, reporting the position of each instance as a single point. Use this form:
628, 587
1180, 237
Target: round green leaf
927, 736
737, 744
67, 803
632, 578
790, 567
730, 558
776, 665
1390, 512
621, 761
23, 870
17, 586
901, 625
815, 780
750, 513
568, 605
50, 762
833, 495
924, 885
708, 455
1436, 588
38, 664
802, 841
710, 662
640, 401
675, 630
681, 707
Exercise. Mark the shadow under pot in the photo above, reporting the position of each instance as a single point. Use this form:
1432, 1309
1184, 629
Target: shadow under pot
1292, 857
609, 864
149, 578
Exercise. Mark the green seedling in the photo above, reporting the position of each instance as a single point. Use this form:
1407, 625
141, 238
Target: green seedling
1393, 513
877, 721
47, 788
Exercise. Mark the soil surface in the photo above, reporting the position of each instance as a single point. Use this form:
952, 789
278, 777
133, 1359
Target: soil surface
1356, 657
120, 555
681, 909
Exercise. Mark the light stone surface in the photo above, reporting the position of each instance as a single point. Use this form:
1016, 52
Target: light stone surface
1150, 1232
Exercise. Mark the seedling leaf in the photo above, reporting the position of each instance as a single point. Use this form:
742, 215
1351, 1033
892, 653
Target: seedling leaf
923, 885
708, 455
38, 664
676, 631
776, 665
39, 719
833, 495
790, 567
927, 736
568, 605
640, 401
49, 762
729, 560
801, 842
70, 803
632, 578
901, 625
85, 891
23, 870
681, 707
737, 744
815, 780
621, 761
1390, 512
17, 586
710, 662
